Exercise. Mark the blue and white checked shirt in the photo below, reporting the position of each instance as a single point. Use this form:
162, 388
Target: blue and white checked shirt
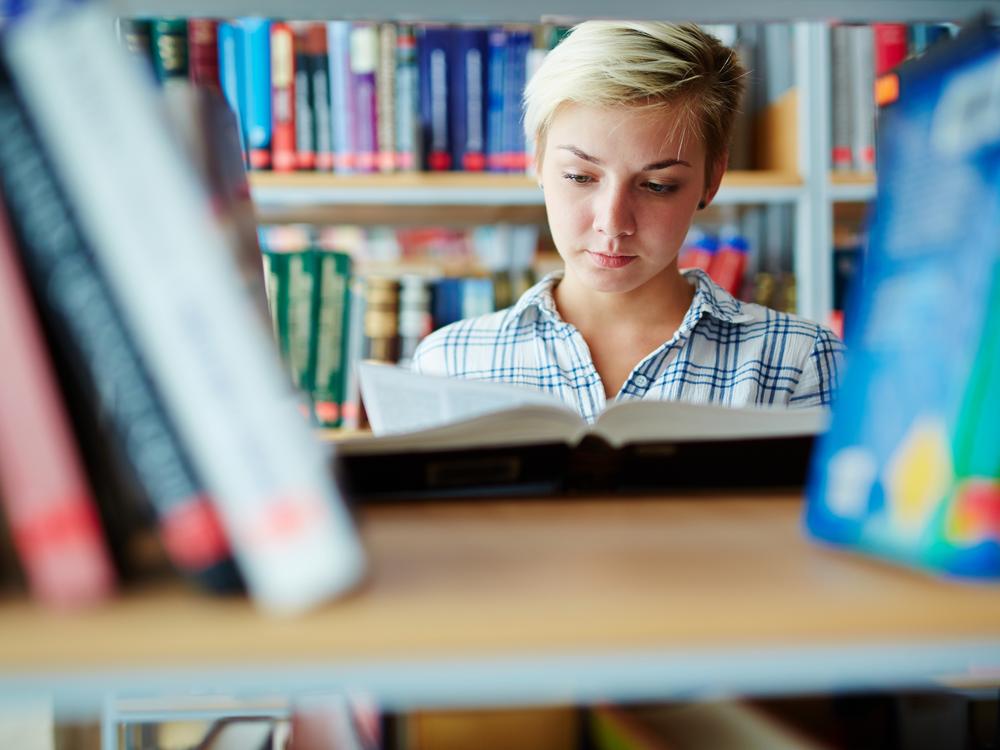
725, 352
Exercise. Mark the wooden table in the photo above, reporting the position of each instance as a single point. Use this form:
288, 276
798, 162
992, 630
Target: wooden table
532, 602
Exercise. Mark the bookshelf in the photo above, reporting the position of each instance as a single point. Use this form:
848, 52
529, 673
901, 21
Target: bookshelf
538, 602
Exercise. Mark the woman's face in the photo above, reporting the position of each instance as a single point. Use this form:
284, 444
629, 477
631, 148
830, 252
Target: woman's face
621, 187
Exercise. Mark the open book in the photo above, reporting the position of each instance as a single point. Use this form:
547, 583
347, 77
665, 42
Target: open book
436, 436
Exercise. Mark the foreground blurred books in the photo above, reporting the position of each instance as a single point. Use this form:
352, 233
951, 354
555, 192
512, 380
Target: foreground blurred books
910, 468
158, 338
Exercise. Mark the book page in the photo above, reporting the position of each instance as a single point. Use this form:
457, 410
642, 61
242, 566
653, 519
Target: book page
398, 400
649, 421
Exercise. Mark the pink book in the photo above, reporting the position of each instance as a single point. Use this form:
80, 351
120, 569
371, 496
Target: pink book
50, 510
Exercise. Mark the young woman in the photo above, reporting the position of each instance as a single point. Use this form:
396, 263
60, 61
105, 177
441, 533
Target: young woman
631, 123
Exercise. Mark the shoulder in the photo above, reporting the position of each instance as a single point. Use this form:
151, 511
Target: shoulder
464, 345
471, 346
776, 334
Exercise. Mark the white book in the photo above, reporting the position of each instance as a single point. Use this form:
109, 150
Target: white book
147, 217
431, 411
437, 436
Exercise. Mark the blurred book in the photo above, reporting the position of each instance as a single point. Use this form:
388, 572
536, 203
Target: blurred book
50, 509
910, 468
146, 214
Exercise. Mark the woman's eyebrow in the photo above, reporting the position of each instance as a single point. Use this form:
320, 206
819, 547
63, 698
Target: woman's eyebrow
664, 164
581, 154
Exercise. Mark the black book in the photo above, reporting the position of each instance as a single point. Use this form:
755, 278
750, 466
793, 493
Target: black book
134, 456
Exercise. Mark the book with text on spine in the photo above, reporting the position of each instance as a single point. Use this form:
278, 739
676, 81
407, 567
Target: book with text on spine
438, 437
147, 215
129, 444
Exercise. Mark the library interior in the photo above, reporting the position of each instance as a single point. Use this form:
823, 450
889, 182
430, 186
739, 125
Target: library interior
304, 442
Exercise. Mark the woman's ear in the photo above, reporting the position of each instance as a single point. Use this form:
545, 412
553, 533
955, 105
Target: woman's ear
715, 179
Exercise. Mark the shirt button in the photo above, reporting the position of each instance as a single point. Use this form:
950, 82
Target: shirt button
640, 381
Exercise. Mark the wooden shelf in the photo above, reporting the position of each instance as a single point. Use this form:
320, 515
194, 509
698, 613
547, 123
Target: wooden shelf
548, 601
852, 186
302, 196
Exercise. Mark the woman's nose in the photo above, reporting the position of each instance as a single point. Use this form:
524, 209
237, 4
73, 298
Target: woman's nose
613, 215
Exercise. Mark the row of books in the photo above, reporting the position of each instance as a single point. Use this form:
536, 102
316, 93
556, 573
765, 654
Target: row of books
349, 97
139, 383
327, 319
859, 55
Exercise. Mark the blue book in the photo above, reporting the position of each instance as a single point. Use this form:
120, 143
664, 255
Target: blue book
513, 158
341, 95
467, 71
255, 88
496, 77
231, 77
435, 136
910, 467
446, 305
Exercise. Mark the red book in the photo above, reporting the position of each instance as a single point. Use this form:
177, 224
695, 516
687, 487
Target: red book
890, 46
203, 52
283, 153
51, 512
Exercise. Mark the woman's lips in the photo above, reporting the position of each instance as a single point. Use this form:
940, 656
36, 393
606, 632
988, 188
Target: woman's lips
610, 261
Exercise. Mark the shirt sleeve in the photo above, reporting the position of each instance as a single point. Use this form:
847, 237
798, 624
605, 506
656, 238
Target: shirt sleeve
820, 377
429, 356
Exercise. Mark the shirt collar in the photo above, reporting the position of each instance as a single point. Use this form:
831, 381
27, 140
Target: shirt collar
709, 298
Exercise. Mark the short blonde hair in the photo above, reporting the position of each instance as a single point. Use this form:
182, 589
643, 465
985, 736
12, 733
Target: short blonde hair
642, 63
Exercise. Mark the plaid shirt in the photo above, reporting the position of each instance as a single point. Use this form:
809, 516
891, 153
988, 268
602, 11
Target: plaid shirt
725, 352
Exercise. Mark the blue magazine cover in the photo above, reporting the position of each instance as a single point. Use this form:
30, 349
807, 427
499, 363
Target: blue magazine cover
910, 468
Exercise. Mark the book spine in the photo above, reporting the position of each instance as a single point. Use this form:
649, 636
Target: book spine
167, 263
363, 61
890, 45
276, 281
330, 339
415, 320
301, 283
497, 60
381, 320
50, 509
840, 98
522, 41
342, 104
385, 85
433, 75
283, 98
231, 77
305, 120
351, 413
863, 94
407, 101
512, 88
321, 102
80, 303
256, 89
203, 52
169, 43
467, 85
135, 35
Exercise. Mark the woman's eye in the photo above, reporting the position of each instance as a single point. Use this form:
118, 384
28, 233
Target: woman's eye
579, 179
660, 188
